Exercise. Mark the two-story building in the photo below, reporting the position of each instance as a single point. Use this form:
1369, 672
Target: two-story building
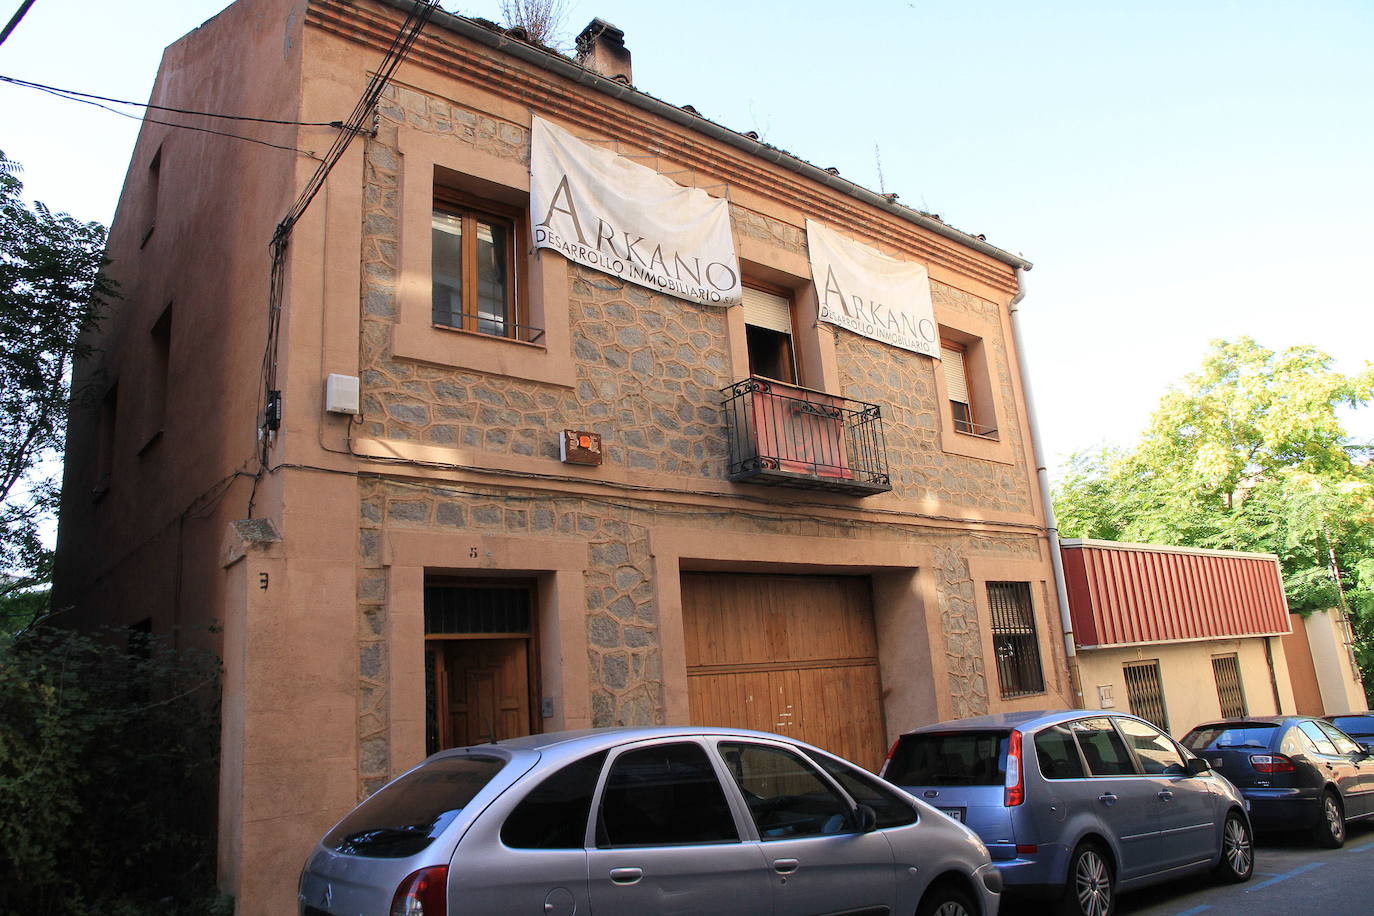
559, 407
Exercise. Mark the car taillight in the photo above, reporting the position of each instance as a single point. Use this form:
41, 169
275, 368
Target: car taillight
1016, 776
1272, 763
882, 771
424, 893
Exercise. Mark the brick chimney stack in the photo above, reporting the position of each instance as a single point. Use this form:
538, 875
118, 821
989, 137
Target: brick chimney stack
601, 48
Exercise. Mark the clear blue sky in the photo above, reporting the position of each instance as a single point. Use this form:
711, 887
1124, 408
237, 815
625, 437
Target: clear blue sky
1177, 171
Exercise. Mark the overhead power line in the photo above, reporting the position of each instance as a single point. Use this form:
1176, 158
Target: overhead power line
77, 96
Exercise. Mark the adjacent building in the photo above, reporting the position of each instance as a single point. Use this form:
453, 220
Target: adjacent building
1178, 635
475, 461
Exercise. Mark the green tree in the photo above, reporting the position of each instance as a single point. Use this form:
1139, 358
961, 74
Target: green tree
1249, 453
51, 292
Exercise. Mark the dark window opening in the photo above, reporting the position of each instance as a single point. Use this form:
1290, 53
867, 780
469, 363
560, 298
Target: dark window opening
475, 269
554, 815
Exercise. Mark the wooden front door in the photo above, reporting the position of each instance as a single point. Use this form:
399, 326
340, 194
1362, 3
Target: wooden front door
789, 654
481, 690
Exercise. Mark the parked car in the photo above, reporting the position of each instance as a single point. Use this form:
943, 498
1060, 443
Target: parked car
645, 820
1358, 725
1075, 805
1296, 772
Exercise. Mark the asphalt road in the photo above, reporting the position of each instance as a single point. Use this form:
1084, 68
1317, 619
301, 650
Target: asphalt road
1292, 876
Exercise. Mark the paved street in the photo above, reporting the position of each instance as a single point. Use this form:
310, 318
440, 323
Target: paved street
1291, 876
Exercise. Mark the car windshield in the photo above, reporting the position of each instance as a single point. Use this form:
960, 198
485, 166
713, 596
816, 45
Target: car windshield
972, 758
405, 816
1230, 735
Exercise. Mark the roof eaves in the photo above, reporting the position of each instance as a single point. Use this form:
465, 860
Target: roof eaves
481, 31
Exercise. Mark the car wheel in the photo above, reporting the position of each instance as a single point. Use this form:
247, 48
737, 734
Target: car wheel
1237, 851
1091, 888
946, 900
1330, 830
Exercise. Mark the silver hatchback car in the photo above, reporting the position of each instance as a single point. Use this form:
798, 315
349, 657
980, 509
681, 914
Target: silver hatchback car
1076, 804
641, 821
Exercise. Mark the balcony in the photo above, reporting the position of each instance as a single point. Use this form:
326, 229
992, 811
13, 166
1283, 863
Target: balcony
787, 436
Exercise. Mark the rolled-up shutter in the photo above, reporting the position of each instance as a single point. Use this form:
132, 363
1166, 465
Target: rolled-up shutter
956, 383
766, 310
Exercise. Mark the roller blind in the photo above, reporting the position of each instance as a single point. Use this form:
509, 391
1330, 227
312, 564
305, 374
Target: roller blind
766, 310
956, 384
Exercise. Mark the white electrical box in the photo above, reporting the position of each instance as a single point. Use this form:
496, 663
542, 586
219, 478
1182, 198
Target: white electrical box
341, 394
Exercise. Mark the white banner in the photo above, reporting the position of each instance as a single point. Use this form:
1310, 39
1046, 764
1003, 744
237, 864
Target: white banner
614, 215
872, 294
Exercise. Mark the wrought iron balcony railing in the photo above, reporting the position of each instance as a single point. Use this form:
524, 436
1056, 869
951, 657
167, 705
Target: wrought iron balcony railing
795, 437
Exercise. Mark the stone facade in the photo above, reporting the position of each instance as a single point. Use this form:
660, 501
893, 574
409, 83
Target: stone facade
649, 372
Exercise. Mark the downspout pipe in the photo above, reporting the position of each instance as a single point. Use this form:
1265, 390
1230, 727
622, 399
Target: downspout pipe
1043, 479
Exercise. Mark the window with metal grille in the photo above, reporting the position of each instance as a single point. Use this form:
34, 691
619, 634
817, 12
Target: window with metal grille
1226, 669
1145, 693
487, 609
1013, 639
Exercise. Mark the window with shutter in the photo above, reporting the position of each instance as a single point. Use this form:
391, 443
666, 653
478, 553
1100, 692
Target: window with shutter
768, 330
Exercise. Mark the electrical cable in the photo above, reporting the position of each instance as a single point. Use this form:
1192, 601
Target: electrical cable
365, 108
14, 20
77, 96
147, 120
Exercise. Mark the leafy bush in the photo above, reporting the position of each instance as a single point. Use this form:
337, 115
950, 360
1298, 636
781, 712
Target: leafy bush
108, 773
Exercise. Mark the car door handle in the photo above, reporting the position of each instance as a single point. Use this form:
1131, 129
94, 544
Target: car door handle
1108, 799
785, 866
626, 876
1166, 794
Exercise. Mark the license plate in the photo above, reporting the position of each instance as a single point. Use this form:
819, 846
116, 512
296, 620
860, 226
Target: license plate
956, 813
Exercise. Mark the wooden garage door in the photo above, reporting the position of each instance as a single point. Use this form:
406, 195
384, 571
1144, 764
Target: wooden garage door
789, 654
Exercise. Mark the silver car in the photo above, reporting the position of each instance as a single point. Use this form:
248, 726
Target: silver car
644, 821
1076, 804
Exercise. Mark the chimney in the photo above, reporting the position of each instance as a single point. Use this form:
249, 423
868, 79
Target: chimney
601, 48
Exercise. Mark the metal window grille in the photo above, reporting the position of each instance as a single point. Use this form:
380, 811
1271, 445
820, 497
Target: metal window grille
1229, 693
477, 609
1013, 639
1146, 694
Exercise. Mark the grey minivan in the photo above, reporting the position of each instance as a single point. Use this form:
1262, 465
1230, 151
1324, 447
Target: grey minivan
645, 820
1077, 804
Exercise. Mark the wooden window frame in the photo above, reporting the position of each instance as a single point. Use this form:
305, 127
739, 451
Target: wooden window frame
470, 208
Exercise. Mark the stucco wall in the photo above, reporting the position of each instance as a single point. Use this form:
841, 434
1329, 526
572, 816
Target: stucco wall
1185, 671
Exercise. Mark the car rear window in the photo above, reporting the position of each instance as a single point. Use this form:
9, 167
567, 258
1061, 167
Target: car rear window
1355, 726
405, 816
971, 758
1230, 735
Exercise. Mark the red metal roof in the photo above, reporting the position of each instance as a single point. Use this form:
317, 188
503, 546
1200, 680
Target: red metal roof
1128, 594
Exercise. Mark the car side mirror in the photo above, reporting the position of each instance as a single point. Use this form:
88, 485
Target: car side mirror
866, 819
1197, 766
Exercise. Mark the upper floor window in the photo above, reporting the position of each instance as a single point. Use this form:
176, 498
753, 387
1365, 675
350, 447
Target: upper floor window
967, 404
768, 332
474, 266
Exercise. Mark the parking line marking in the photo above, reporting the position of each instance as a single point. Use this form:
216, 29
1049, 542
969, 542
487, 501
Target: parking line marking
1369, 845
1285, 876
1196, 909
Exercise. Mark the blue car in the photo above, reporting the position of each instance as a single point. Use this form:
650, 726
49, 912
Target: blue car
1076, 805
1297, 772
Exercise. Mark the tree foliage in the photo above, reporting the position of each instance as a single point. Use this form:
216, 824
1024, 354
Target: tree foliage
108, 767
51, 292
1249, 453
